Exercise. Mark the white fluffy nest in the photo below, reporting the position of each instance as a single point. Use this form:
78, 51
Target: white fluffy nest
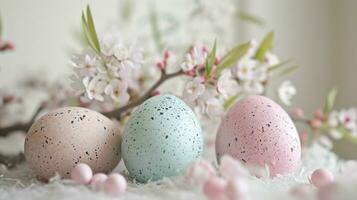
20, 184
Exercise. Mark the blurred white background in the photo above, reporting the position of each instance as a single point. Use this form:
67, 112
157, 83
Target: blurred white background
319, 34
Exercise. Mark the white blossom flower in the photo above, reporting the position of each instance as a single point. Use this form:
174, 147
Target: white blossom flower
335, 134
214, 107
188, 63
117, 90
77, 84
253, 87
271, 59
193, 89
245, 69
260, 73
325, 141
95, 87
333, 118
112, 46
348, 118
119, 69
86, 63
285, 92
226, 85
196, 56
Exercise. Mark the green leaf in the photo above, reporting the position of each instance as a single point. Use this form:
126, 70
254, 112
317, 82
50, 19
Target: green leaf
126, 9
233, 56
280, 64
91, 28
265, 46
286, 71
330, 101
230, 101
248, 17
211, 59
86, 31
346, 134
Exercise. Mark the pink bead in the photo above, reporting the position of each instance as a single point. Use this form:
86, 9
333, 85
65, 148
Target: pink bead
236, 189
214, 188
300, 191
115, 185
315, 123
97, 181
297, 113
167, 54
304, 136
318, 114
326, 192
82, 173
321, 177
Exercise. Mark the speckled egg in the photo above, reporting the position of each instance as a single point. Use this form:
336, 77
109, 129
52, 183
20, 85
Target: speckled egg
67, 136
257, 131
162, 137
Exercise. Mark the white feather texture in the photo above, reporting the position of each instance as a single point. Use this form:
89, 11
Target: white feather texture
20, 183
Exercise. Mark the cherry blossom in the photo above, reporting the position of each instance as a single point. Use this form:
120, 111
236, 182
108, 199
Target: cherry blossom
196, 56
271, 59
95, 87
117, 90
193, 89
213, 107
226, 85
86, 63
285, 92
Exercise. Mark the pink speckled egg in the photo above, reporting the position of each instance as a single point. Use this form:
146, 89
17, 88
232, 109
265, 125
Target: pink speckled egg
257, 131
65, 137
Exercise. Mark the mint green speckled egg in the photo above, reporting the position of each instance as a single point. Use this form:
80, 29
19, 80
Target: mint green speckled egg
162, 137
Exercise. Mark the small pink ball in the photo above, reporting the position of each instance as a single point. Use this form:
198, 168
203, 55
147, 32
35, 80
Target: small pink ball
115, 185
199, 171
326, 192
300, 191
321, 177
318, 114
82, 173
214, 188
236, 189
297, 113
97, 181
315, 123
304, 136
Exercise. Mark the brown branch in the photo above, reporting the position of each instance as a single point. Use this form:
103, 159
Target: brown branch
20, 126
11, 161
5, 131
117, 112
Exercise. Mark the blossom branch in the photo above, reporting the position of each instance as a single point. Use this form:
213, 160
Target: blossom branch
11, 161
20, 126
164, 77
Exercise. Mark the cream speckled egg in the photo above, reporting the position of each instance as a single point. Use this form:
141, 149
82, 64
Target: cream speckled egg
161, 139
67, 136
258, 131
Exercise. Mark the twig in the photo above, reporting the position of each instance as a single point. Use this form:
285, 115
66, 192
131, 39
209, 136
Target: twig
11, 161
20, 126
117, 112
